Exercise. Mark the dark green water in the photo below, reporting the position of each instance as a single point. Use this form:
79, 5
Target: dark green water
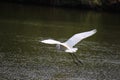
23, 57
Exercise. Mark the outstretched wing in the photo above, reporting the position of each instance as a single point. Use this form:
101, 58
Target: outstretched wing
78, 37
50, 41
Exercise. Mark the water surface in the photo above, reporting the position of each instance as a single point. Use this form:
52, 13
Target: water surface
23, 57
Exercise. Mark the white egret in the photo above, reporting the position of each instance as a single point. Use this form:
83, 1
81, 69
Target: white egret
68, 46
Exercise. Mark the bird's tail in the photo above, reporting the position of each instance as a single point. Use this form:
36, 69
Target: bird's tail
73, 50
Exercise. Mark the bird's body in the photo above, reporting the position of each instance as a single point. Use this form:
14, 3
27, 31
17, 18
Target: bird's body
68, 46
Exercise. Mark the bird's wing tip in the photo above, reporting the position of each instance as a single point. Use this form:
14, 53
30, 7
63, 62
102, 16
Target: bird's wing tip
94, 30
42, 41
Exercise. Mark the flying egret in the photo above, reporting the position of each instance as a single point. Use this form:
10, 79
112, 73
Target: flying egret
68, 46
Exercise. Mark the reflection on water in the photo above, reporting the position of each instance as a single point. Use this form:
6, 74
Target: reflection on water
23, 57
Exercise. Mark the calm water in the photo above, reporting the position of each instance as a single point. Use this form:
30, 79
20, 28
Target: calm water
22, 57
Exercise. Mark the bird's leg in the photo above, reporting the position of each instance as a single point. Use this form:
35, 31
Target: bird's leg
77, 58
74, 57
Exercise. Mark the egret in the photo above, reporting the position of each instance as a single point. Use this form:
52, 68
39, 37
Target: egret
68, 46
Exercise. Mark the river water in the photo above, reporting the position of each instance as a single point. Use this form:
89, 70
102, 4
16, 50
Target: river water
23, 57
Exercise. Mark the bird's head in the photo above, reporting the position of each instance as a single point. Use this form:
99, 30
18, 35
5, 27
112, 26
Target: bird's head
60, 47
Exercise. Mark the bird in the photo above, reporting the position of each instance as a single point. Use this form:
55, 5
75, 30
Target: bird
68, 46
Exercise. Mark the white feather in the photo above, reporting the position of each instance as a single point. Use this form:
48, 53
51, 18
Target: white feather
50, 41
78, 37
